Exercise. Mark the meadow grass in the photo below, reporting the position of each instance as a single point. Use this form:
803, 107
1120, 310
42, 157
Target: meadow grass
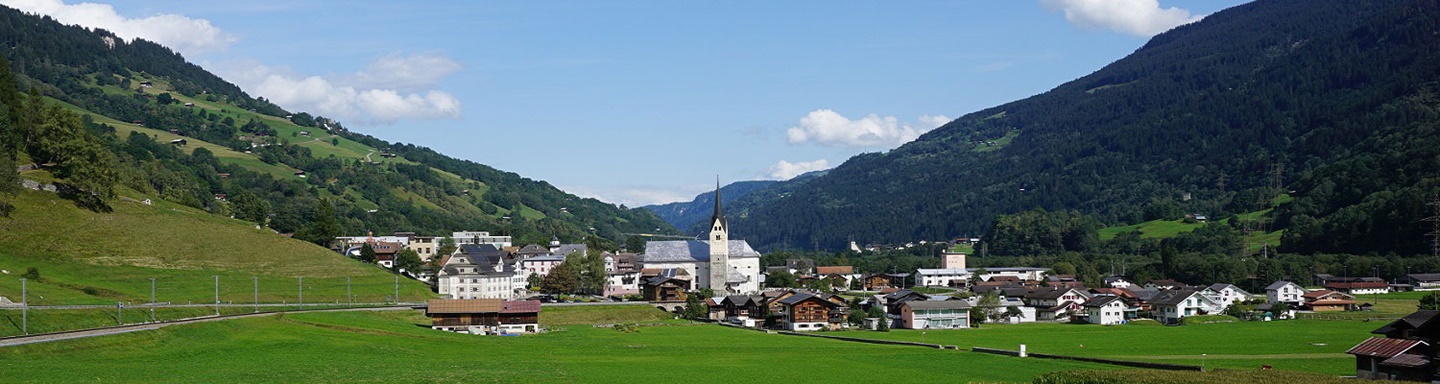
1300, 345
395, 347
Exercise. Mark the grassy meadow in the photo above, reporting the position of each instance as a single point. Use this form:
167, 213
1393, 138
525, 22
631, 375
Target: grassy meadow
393, 347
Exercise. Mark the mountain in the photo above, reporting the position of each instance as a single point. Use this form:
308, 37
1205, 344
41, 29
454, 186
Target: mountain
687, 214
104, 116
1333, 100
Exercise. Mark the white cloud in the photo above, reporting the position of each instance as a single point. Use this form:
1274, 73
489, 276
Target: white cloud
785, 170
390, 89
185, 35
1135, 17
828, 128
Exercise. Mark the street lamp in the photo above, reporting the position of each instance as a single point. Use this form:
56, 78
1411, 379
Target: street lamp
1202, 362
217, 294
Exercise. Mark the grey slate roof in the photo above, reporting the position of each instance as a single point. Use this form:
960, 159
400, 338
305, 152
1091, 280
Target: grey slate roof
1425, 276
1217, 287
1174, 297
566, 249
1277, 285
691, 250
1100, 301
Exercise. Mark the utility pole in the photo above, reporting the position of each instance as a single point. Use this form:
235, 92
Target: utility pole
217, 294
301, 289
349, 299
397, 289
1434, 220
24, 308
152, 299
256, 280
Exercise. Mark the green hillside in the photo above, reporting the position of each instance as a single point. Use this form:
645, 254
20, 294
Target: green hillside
1332, 100
137, 97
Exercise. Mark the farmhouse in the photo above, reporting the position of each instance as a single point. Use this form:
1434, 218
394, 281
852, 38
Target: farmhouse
1360, 287
1424, 281
879, 281
484, 316
935, 314
1327, 300
1404, 353
1055, 303
664, 284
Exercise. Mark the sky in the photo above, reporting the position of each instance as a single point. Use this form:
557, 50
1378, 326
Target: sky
642, 102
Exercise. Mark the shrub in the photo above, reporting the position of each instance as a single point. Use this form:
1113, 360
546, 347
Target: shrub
1152, 376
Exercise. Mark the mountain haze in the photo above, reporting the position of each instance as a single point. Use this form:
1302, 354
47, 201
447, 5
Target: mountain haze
1217, 117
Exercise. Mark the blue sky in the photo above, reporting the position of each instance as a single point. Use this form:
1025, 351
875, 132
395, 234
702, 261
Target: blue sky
640, 102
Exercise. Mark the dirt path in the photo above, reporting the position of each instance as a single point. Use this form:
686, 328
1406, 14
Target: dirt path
48, 337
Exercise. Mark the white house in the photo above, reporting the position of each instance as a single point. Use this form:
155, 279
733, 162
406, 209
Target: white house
942, 277
1285, 292
1023, 273
1118, 282
935, 314
1105, 310
1055, 303
1171, 306
1226, 294
476, 277
480, 237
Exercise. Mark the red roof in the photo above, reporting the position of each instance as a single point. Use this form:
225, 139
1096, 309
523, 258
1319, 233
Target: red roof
521, 306
1382, 347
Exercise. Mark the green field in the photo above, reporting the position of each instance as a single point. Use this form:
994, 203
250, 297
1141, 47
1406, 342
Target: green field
390, 347
1300, 345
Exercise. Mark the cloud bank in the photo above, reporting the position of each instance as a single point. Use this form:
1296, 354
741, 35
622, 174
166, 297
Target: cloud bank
828, 128
785, 170
1136, 17
185, 35
391, 88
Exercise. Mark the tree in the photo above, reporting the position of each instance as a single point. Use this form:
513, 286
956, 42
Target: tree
407, 260
1431, 301
988, 306
590, 269
367, 253
447, 247
782, 279
1280, 309
561, 279
695, 308
533, 282
324, 225
1063, 268
635, 244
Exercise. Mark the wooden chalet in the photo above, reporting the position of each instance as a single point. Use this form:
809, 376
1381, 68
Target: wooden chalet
484, 316
807, 312
1327, 300
1406, 352
879, 281
664, 288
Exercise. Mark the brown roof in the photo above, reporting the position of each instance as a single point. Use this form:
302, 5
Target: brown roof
1357, 285
1005, 278
838, 269
1114, 292
1407, 360
1315, 295
464, 306
521, 306
1382, 347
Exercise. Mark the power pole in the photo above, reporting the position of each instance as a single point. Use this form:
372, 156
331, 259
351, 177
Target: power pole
1434, 220
301, 289
256, 280
397, 289
217, 295
152, 299
24, 308
349, 299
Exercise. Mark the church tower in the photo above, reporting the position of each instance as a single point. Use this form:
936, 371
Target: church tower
719, 247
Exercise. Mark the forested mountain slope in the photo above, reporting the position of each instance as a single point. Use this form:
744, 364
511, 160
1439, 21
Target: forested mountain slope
1332, 99
101, 113
687, 214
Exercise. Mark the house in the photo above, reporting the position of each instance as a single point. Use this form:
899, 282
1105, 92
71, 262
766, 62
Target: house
1056, 303
1327, 300
955, 277
1404, 353
484, 316
1284, 292
744, 310
1424, 281
1106, 310
1123, 293
895, 299
1164, 285
935, 314
479, 276
179, 142
1171, 306
622, 277
664, 285
806, 312
1024, 273
1365, 286
1226, 294
879, 281
1117, 282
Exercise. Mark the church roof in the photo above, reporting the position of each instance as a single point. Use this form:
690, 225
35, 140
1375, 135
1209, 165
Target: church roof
691, 250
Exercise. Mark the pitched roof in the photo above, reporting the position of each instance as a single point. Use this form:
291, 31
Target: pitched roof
1383, 347
1408, 360
1217, 287
1357, 285
521, 306
692, 250
1411, 321
837, 269
1325, 292
1100, 301
937, 304
1113, 279
464, 306
1279, 284
903, 293
1424, 276
1122, 292
1175, 297
1052, 293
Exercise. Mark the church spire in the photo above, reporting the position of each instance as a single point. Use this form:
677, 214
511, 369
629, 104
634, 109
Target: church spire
719, 215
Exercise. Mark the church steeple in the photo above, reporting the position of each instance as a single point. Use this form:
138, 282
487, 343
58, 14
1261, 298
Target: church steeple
719, 246
719, 215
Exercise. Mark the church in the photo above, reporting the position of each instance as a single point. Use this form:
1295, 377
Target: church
727, 267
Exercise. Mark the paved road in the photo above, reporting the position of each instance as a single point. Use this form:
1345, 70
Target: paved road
48, 337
